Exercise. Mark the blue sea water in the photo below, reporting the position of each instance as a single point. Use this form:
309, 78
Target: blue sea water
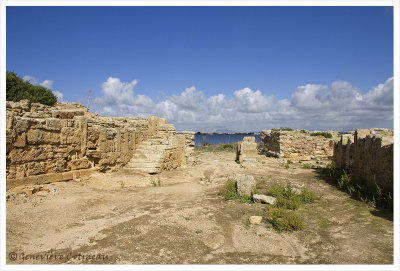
221, 139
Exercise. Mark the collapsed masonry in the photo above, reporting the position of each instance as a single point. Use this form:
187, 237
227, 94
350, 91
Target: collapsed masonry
297, 143
368, 153
47, 144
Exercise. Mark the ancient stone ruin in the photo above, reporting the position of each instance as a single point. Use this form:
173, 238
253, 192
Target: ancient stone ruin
297, 143
47, 144
246, 149
368, 154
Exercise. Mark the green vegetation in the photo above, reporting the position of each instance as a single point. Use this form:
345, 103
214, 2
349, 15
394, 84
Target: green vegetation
307, 166
286, 129
229, 192
324, 134
370, 194
286, 220
282, 215
208, 147
17, 89
154, 182
289, 198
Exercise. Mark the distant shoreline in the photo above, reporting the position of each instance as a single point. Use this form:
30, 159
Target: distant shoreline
250, 133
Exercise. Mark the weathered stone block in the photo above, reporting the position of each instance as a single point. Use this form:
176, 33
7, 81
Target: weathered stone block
245, 185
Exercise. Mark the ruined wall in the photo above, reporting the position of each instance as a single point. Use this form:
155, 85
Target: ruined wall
298, 143
246, 148
368, 154
47, 144
189, 146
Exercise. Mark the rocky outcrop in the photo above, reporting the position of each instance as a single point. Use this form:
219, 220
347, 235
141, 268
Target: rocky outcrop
368, 153
45, 144
297, 143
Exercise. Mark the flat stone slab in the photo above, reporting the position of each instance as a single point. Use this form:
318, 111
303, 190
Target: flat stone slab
264, 199
255, 219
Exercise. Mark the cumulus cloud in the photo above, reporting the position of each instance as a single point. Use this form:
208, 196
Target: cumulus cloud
339, 106
31, 79
45, 83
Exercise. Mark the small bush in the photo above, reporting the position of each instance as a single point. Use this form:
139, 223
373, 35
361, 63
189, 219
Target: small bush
286, 129
324, 134
307, 166
285, 220
228, 146
372, 194
307, 196
288, 198
208, 147
287, 203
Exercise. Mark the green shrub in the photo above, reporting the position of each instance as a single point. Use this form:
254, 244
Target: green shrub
324, 134
285, 220
229, 146
208, 147
17, 89
287, 203
288, 198
286, 129
307, 196
372, 194
307, 166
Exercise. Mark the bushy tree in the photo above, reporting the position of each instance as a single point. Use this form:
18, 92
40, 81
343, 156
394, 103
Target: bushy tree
17, 89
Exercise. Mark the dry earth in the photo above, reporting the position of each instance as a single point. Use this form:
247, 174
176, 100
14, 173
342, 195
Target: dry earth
126, 218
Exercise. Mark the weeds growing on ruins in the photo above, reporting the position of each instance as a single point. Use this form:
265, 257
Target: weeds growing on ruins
369, 193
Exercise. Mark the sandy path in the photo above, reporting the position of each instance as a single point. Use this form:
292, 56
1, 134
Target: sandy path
122, 218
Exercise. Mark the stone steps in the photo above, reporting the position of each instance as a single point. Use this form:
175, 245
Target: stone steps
149, 156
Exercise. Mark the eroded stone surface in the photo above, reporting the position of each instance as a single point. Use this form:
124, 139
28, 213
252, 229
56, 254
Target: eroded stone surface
245, 185
46, 144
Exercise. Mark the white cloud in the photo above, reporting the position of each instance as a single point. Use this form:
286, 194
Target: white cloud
31, 79
339, 106
59, 95
45, 83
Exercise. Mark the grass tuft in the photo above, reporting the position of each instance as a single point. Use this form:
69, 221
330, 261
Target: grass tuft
285, 220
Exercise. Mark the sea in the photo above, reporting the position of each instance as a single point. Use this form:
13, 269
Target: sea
221, 138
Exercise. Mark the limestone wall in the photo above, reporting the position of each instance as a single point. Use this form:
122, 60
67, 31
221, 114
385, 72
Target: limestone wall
368, 154
65, 141
246, 148
298, 143
189, 145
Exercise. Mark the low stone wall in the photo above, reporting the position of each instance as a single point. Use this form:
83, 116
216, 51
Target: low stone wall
297, 143
189, 145
368, 154
54, 142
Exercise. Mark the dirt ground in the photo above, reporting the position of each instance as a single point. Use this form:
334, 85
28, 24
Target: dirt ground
178, 217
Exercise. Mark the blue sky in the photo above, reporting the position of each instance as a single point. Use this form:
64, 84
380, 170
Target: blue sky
213, 68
